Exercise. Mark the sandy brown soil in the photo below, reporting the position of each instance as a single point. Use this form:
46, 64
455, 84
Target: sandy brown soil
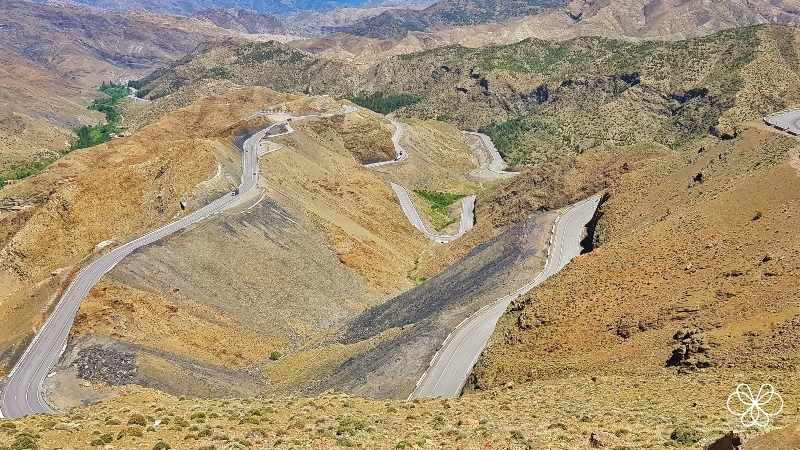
112, 191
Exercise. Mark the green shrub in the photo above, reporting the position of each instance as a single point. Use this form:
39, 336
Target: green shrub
161, 445
137, 419
349, 426
686, 435
25, 440
275, 356
181, 422
384, 103
439, 201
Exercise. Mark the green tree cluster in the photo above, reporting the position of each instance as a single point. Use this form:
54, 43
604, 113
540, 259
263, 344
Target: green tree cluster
384, 103
91, 135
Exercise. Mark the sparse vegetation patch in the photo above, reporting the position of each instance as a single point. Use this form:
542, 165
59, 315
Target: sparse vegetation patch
91, 135
439, 202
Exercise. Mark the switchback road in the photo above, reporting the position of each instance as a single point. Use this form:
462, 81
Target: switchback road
452, 364
467, 204
400, 128
467, 215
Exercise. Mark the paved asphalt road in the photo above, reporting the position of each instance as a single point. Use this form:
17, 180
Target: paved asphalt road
788, 121
497, 163
400, 128
22, 394
467, 215
452, 364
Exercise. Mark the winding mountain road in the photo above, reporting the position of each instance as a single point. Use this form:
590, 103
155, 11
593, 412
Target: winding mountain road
400, 128
497, 165
452, 364
22, 393
467, 204
467, 215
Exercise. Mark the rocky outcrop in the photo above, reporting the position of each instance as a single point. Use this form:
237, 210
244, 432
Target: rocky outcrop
109, 366
691, 354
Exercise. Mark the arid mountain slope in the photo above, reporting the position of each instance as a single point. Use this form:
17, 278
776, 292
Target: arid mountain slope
326, 241
695, 274
54, 57
539, 98
112, 191
400, 32
89, 46
248, 22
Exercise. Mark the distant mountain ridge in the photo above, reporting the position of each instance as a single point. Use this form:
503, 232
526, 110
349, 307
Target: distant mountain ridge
534, 96
447, 14
189, 7
249, 22
558, 19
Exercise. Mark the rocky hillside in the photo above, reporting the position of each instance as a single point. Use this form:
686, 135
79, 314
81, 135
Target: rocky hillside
507, 246
539, 98
314, 250
54, 57
302, 264
446, 14
705, 249
51, 222
247, 22
562, 414
694, 275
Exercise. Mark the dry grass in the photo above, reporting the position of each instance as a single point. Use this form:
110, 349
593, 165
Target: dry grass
632, 411
676, 254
